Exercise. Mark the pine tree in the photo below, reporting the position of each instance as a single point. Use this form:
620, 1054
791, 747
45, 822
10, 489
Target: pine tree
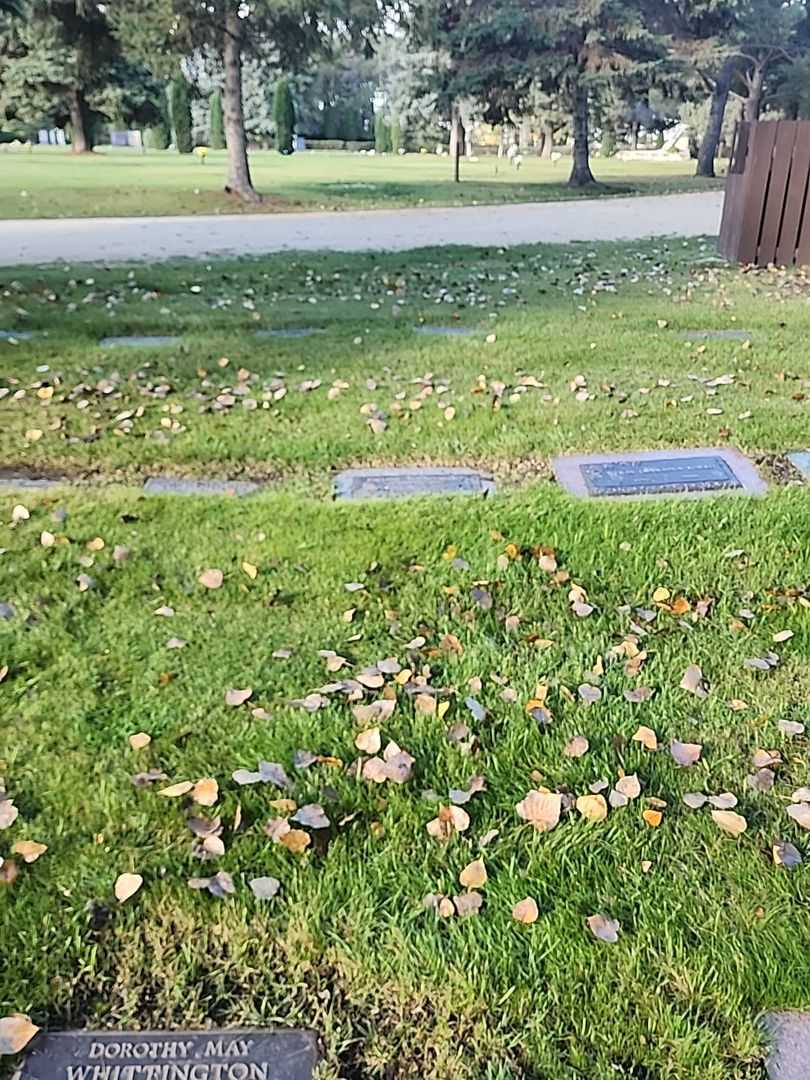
181, 115
284, 116
396, 136
216, 123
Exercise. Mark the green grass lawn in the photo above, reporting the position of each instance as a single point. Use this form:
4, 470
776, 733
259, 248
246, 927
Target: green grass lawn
50, 182
586, 355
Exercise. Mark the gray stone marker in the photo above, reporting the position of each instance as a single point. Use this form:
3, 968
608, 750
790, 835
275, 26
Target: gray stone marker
789, 1058
402, 483
446, 331
29, 482
16, 335
800, 459
139, 341
171, 1055
290, 332
170, 485
658, 472
716, 335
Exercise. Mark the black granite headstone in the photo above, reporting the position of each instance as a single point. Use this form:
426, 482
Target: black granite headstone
171, 1055
658, 475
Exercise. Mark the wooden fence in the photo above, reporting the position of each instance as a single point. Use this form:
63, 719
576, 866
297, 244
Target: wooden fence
766, 213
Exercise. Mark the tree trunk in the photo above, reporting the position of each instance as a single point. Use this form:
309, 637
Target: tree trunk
547, 135
581, 174
239, 182
634, 128
711, 138
753, 102
79, 141
456, 142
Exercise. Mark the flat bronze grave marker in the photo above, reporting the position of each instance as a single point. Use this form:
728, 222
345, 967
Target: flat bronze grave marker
800, 459
402, 483
139, 341
170, 485
658, 472
282, 1054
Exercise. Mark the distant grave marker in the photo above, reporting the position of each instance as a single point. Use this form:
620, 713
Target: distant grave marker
789, 1058
715, 335
446, 331
290, 332
657, 472
171, 485
403, 483
12, 481
172, 1055
139, 341
16, 335
800, 459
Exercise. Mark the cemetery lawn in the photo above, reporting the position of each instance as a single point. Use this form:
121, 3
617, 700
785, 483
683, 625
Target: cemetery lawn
50, 182
107, 632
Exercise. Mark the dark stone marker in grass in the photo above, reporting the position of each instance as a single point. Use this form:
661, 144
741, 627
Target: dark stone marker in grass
715, 335
16, 335
290, 332
800, 459
789, 1058
170, 485
11, 481
172, 1055
401, 483
658, 472
446, 331
139, 341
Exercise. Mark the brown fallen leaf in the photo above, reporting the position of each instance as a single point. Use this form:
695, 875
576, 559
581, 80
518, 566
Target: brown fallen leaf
220, 885
592, 807
296, 841
685, 753
800, 812
205, 791
526, 911
175, 791
126, 885
474, 875
16, 1032
576, 747
450, 819
211, 578
30, 850
604, 928
139, 740
694, 682
647, 737
8, 813
629, 786
238, 697
653, 818
369, 741
730, 822
541, 809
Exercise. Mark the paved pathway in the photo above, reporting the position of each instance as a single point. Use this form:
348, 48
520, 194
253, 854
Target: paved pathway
149, 239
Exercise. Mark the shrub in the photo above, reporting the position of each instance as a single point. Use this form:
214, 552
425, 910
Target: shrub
156, 137
382, 135
396, 136
284, 116
181, 116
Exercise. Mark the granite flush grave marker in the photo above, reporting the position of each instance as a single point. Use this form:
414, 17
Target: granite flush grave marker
715, 335
401, 483
789, 1058
658, 472
290, 332
15, 335
139, 341
446, 331
171, 485
180, 1055
800, 459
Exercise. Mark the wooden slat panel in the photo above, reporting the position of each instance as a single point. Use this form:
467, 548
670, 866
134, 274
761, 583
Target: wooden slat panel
734, 194
777, 189
803, 246
795, 197
763, 137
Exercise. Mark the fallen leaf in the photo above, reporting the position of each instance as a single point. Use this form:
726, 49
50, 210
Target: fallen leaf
311, 816
694, 799
220, 885
729, 822
685, 753
174, 791
637, 696
541, 809
211, 579
785, 854
592, 807
647, 737
29, 849
468, 904
800, 812
576, 747
126, 885
252, 572
783, 635
653, 818
139, 740
205, 791
791, 727
369, 741
16, 1032
694, 682
526, 911
450, 819
764, 759
629, 786
264, 888
238, 697
8, 813
604, 928
724, 801
474, 875
296, 841
589, 694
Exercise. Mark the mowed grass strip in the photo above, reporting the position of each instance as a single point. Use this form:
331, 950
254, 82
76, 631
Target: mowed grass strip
575, 348
712, 932
51, 183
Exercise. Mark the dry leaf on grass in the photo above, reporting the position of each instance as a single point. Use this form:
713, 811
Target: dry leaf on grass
592, 807
264, 888
468, 904
576, 747
647, 737
238, 697
16, 1032
296, 841
785, 854
205, 791
629, 786
450, 819
211, 578
311, 816
8, 813
526, 911
126, 885
694, 682
175, 791
685, 753
729, 822
474, 875
220, 885
30, 850
653, 818
541, 809
369, 741
604, 928
800, 812
139, 740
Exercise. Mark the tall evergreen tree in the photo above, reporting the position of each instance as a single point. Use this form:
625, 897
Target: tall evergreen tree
284, 116
216, 123
181, 115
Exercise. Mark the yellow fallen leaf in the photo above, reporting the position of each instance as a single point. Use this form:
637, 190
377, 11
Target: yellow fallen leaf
296, 841
139, 740
251, 570
661, 595
29, 849
127, 885
96, 544
33, 434
647, 737
205, 791
653, 818
541, 809
592, 807
474, 875
174, 791
526, 911
729, 822
16, 1032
